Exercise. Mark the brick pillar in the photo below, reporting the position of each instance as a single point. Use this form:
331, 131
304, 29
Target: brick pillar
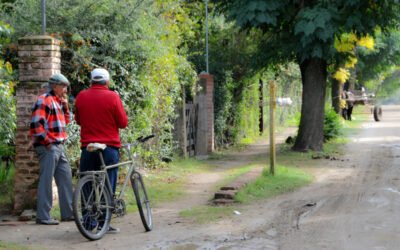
39, 59
205, 118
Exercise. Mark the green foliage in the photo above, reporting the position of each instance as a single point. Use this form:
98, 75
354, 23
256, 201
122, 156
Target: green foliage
140, 42
248, 110
332, 124
235, 65
314, 29
305, 31
387, 89
288, 80
7, 92
6, 185
294, 120
7, 102
308, 29
73, 145
375, 66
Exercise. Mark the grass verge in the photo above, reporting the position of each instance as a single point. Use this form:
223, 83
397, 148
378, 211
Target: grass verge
285, 180
14, 246
6, 187
166, 184
206, 214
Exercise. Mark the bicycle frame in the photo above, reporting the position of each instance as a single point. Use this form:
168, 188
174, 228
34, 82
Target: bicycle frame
102, 173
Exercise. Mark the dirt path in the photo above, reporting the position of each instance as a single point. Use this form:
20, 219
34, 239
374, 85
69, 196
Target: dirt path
357, 206
353, 204
170, 230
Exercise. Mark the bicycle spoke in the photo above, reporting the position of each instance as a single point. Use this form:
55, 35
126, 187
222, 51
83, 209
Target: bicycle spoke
92, 208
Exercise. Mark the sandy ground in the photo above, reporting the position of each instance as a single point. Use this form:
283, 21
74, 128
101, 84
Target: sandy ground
353, 204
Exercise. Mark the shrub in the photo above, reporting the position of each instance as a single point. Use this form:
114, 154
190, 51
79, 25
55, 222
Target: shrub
332, 124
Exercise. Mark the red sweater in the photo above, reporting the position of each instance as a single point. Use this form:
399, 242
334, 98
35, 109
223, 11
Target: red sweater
100, 113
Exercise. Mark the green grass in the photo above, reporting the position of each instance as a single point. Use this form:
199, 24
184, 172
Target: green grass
360, 114
247, 141
166, 184
207, 214
265, 186
7, 187
285, 180
14, 246
233, 173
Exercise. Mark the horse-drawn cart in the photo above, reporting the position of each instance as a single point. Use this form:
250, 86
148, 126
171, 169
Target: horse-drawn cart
360, 97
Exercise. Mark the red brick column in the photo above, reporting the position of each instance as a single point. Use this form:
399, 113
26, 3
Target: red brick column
205, 129
39, 58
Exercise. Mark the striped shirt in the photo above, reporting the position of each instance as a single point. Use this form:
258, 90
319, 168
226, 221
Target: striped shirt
49, 120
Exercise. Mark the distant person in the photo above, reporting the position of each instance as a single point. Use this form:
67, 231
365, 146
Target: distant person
100, 113
349, 104
50, 115
343, 104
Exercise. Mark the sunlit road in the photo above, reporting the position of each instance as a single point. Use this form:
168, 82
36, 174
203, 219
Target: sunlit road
359, 206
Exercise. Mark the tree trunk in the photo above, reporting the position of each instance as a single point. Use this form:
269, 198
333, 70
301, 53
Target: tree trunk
311, 134
336, 94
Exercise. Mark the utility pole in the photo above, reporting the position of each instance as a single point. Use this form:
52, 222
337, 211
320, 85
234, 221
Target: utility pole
43, 7
207, 70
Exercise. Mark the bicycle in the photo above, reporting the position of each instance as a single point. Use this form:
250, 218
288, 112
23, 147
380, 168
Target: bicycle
93, 202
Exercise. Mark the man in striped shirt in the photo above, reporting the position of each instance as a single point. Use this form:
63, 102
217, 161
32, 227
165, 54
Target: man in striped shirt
50, 115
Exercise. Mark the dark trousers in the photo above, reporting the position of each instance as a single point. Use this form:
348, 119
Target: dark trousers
349, 112
91, 161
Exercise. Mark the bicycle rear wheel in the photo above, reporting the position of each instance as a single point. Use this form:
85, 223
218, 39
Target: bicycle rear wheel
92, 208
142, 201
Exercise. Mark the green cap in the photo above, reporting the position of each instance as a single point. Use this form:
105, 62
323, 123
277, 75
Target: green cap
58, 79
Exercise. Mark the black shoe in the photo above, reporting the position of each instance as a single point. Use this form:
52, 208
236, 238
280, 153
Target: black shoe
71, 218
112, 230
47, 222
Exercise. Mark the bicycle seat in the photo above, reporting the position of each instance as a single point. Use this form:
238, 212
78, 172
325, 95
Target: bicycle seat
91, 147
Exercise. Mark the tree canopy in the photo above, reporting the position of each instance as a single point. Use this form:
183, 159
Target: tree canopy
305, 31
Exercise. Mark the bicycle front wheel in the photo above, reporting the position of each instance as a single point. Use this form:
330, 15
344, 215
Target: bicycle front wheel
92, 208
142, 201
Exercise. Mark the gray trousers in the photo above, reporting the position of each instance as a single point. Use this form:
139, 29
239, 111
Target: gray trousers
53, 162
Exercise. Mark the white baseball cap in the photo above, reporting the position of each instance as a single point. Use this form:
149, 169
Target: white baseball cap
100, 75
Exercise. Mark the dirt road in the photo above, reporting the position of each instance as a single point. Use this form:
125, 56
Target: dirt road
358, 203
353, 204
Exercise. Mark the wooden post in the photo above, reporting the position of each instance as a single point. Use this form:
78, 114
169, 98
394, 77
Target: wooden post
272, 103
184, 123
261, 98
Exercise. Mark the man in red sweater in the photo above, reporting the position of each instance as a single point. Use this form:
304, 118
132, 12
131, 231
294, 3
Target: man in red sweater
100, 113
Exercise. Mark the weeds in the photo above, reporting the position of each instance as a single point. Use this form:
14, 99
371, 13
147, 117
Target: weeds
7, 186
285, 180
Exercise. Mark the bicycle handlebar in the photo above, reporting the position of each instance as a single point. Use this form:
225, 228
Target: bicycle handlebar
140, 139
143, 139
